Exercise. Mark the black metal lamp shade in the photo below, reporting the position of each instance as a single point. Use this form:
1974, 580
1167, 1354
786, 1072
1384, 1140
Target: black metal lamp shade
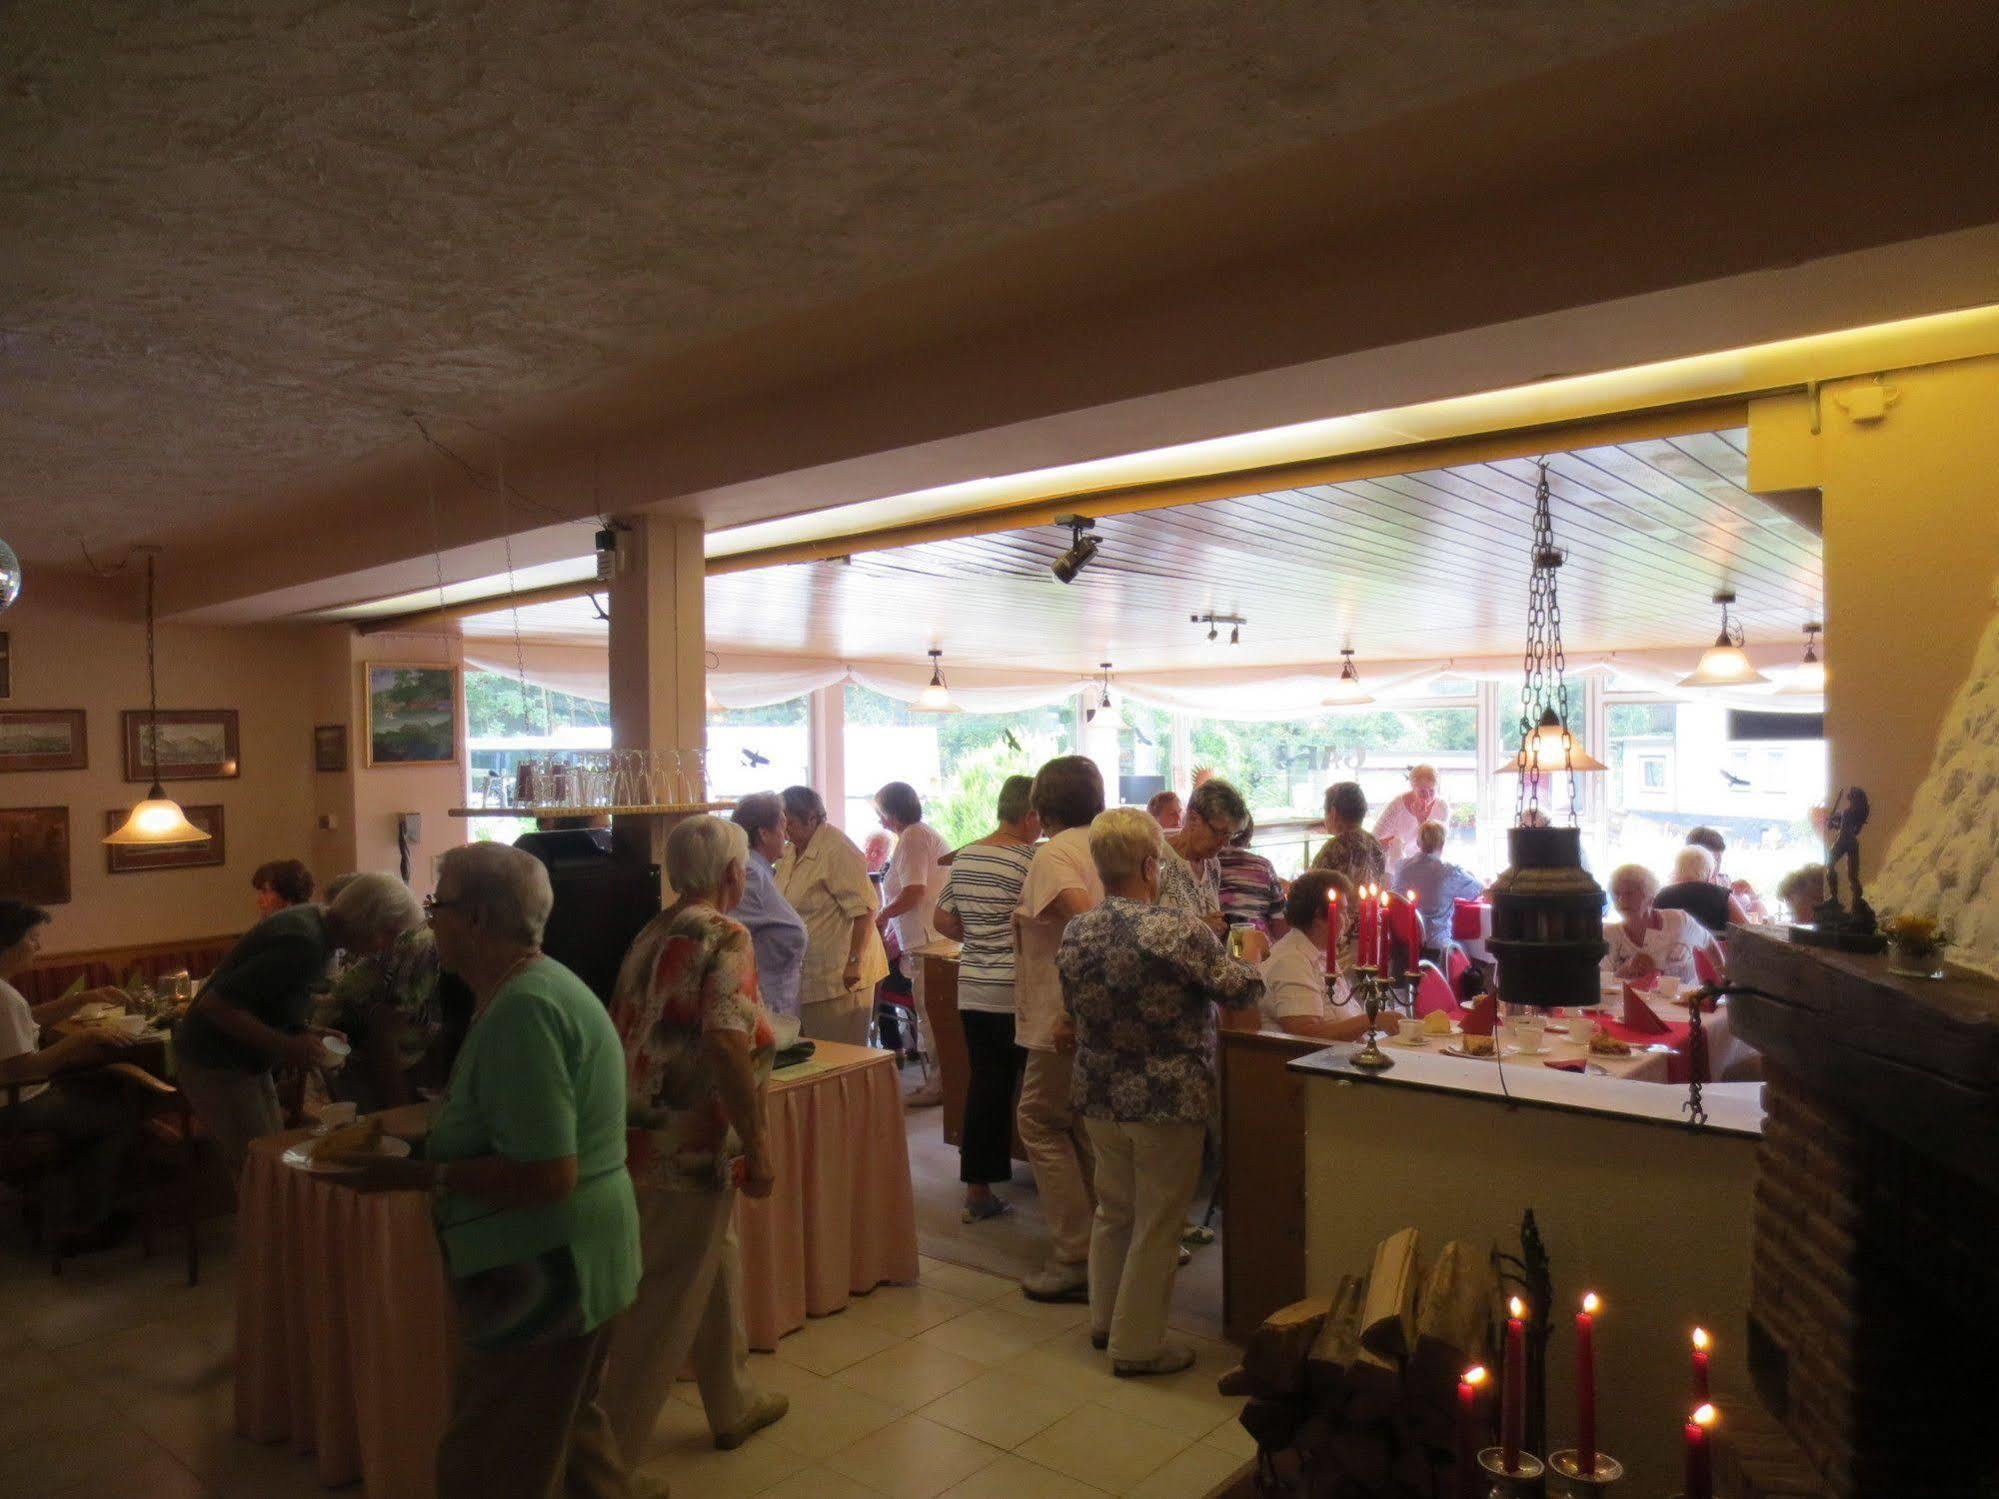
1547, 921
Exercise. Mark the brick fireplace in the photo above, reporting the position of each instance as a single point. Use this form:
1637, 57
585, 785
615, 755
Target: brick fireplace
1873, 1324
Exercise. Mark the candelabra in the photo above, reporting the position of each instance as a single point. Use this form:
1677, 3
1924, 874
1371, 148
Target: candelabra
1377, 992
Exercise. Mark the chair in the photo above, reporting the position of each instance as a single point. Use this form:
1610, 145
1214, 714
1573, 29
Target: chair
27, 1157
1434, 992
1706, 967
1459, 965
172, 1151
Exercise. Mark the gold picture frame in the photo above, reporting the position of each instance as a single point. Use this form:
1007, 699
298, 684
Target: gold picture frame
410, 713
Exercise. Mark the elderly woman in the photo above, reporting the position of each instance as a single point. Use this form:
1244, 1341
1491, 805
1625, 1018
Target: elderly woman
976, 908
252, 1014
1294, 975
526, 1169
1189, 876
910, 886
1140, 982
405, 1017
1694, 891
776, 932
1251, 893
826, 880
281, 883
698, 1048
1650, 943
1352, 850
1396, 828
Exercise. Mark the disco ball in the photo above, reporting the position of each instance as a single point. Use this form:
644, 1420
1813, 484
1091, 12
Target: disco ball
10, 576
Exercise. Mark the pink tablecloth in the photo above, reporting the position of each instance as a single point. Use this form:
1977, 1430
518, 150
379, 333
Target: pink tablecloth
343, 1343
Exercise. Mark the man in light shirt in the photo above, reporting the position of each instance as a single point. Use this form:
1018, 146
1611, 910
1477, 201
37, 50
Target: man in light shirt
777, 932
1294, 975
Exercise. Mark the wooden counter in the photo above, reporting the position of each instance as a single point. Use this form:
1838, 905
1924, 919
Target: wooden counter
1263, 1175
939, 998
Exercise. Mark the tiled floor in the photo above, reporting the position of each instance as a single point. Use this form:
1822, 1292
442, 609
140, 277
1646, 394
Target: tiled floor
116, 1379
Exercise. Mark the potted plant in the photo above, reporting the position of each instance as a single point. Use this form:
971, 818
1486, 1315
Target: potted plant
1915, 946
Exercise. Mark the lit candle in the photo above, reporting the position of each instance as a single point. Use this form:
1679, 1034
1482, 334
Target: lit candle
1332, 931
1412, 929
1586, 1384
1468, 1388
1513, 1397
1701, 1342
1700, 1461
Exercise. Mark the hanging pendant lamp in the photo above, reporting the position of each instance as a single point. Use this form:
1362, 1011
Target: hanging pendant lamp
1725, 663
158, 820
1809, 679
1347, 691
936, 698
10, 576
1548, 746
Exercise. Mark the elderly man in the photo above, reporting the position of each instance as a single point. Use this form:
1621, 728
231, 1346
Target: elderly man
251, 1014
1438, 885
826, 880
775, 928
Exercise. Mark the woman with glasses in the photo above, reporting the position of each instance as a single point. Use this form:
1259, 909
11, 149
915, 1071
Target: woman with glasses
1189, 871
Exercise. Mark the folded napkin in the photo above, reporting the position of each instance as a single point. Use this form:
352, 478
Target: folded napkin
1482, 1017
1639, 1016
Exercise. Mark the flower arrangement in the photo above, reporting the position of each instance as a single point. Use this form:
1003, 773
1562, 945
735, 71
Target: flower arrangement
1915, 942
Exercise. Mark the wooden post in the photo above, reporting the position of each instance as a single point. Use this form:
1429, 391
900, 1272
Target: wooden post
658, 650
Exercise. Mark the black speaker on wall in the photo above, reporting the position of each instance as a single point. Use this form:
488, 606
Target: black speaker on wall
601, 903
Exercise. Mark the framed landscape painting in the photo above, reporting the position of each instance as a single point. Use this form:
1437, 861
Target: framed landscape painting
412, 714
329, 746
34, 855
193, 744
43, 739
137, 858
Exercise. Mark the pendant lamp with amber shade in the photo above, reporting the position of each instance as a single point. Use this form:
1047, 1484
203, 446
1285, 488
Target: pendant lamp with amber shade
158, 820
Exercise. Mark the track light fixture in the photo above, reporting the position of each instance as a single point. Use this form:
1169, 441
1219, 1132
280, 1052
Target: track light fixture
1214, 622
1082, 548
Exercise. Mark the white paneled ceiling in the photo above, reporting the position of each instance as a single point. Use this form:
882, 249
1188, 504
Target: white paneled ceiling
1415, 566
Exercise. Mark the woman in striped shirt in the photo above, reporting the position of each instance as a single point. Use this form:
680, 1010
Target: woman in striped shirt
976, 909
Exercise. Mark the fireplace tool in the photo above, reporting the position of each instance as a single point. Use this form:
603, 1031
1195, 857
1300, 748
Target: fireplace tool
1377, 992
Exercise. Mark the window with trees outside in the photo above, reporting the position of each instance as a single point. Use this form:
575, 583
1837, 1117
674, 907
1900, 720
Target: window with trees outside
956, 761
759, 749
505, 722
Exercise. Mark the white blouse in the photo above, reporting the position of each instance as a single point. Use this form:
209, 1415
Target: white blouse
1294, 982
1672, 945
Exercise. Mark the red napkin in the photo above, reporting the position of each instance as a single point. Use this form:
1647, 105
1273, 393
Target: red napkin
1482, 1017
1639, 1016
1574, 1064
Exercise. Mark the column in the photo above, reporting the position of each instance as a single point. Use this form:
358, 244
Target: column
658, 652
1099, 742
828, 717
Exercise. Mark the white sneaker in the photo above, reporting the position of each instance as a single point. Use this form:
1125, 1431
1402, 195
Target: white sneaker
1170, 1359
1056, 1281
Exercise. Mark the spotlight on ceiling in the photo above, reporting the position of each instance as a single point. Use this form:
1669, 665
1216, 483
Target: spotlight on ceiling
1082, 548
1235, 634
1214, 622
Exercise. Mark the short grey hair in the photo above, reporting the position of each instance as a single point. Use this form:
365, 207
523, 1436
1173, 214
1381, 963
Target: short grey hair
803, 801
699, 852
757, 811
1634, 874
1016, 799
369, 907
1121, 840
508, 888
1693, 864
1217, 801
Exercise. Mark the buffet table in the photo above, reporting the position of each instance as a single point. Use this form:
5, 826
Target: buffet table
343, 1336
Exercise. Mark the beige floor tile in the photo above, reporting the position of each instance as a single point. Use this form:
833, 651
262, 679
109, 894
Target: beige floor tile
973, 1285
821, 1421
1000, 1407
907, 1310
1188, 1402
702, 1471
909, 1374
1059, 1315
1067, 1364
989, 1335
1189, 1474
818, 1483
830, 1344
76, 1461
158, 1477
1230, 1437
1104, 1447
767, 1372
1011, 1477
913, 1459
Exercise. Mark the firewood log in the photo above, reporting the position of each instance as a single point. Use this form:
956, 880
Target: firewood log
1338, 1342
1274, 1357
1236, 1381
1451, 1318
1362, 1453
1273, 1422
1388, 1312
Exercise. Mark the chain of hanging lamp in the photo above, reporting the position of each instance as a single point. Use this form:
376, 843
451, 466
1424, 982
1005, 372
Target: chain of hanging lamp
152, 682
1544, 682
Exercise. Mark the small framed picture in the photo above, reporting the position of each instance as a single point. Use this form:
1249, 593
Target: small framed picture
192, 744
34, 855
43, 739
412, 714
6, 670
137, 858
329, 746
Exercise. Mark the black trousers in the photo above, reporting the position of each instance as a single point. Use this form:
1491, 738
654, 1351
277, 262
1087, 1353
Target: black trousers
986, 1155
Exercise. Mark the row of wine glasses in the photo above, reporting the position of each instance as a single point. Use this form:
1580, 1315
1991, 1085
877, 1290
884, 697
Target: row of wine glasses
604, 778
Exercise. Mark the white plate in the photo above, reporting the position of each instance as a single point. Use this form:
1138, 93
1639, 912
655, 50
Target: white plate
1414, 1041
1459, 1051
1523, 1051
299, 1158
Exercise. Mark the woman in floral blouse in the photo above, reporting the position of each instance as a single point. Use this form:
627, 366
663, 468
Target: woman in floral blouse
1140, 983
698, 1048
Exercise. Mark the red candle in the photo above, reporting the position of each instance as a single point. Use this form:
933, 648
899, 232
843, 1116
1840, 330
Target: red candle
1513, 1397
1412, 930
1700, 1461
1701, 1342
1586, 1384
1332, 931
1468, 1388
1370, 927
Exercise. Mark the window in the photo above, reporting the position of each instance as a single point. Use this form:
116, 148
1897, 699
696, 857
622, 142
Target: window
1652, 773
759, 749
506, 722
956, 761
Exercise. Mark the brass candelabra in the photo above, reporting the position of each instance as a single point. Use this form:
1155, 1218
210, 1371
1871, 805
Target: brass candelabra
1377, 992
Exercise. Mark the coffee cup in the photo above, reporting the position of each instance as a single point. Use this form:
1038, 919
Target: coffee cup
1669, 987
1527, 1032
1582, 1029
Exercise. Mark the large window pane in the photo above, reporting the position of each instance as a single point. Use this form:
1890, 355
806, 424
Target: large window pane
956, 761
506, 722
759, 749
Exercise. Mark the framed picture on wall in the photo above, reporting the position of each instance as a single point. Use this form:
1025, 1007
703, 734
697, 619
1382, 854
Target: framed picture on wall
34, 855
6, 669
329, 746
193, 744
137, 858
412, 714
43, 739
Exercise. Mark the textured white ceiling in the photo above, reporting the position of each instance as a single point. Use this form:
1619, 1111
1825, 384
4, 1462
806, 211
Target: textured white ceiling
242, 238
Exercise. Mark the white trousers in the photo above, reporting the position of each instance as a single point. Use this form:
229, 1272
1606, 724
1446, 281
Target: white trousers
689, 1303
1145, 1178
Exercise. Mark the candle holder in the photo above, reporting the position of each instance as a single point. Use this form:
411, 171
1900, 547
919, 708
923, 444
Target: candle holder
1572, 1481
1523, 1480
1376, 993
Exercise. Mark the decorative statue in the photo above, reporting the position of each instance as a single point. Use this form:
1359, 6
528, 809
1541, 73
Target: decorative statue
1843, 834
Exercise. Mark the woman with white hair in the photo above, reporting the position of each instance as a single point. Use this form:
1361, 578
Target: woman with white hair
698, 1048
251, 1015
1694, 891
1395, 829
525, 1165
1140, 982
1648, 942
825, 878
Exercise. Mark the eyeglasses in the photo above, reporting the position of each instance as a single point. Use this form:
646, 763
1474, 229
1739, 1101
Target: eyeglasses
432, 905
